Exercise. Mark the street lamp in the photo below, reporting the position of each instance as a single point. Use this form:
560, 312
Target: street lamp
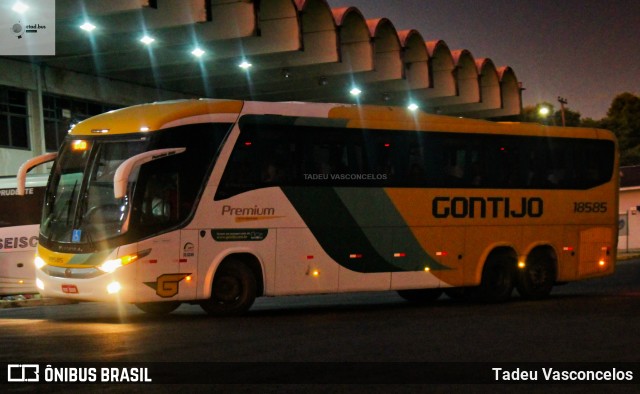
544, 111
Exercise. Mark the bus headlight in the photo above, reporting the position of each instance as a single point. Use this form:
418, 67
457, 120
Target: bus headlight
114, 287
112, 265
39, 262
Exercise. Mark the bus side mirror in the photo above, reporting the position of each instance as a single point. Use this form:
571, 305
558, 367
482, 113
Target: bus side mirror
28, 165
121, 177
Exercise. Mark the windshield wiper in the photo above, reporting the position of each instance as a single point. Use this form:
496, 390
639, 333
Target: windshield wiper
87, 232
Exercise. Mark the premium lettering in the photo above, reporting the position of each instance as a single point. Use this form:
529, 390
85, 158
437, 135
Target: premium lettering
255, 211
490, 207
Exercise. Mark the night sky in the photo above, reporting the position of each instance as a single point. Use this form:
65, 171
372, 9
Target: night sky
586, 51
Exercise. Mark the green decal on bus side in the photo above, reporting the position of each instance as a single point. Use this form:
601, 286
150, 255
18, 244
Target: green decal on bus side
235, 235
346, 223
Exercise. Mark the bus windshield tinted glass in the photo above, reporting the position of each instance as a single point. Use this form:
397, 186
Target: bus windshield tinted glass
81, 209
80, 206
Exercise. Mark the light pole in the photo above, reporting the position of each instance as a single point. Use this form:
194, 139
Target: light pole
562, 102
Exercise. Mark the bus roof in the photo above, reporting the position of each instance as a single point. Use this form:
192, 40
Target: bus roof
152, 117
155, 116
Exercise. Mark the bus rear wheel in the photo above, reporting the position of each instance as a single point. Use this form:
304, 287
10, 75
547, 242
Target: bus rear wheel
538, 276
420, 296
233, 291
498, 279
158, 308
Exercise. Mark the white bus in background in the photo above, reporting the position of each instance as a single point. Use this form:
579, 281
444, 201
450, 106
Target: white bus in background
19, 222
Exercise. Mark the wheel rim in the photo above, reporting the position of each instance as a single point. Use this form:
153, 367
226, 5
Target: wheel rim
227, 289
537, 276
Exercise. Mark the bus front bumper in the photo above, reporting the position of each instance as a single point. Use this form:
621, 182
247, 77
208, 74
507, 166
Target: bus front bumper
106, 287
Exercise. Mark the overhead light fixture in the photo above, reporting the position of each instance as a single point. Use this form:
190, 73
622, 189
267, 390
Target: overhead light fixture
146, 40
355, 91
197, 52
88, 26
245, 65
286, 74
413, 107
20, 8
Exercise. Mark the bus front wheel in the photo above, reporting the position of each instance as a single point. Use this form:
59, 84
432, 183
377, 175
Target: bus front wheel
233, 290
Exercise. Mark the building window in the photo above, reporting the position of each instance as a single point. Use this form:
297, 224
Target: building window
14, 124
61, 112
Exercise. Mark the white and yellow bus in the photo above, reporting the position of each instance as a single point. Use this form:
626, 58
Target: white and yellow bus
19, 221
218, 202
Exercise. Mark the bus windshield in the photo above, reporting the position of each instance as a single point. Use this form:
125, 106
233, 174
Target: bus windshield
80, 205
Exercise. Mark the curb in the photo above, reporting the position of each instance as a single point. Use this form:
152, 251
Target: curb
627, 256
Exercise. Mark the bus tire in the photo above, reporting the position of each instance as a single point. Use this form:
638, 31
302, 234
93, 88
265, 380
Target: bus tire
498, 278
158, 308
537, 278
233, 290
420, 296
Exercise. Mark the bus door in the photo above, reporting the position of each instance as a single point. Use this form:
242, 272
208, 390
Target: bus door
158, 210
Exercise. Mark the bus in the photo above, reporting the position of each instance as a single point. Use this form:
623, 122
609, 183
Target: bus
19, 221
217, 202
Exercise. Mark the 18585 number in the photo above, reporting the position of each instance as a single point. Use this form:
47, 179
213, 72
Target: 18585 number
589, 207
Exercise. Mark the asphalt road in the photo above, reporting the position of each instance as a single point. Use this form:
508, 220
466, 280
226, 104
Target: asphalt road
591, 321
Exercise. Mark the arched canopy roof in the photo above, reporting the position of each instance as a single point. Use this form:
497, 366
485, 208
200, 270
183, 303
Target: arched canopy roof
298, 50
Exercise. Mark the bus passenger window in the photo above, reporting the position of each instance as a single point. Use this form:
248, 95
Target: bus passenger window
272, 174
417, 175
477, 173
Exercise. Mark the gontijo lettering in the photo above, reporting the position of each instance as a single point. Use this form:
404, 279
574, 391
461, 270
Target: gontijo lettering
493, 207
